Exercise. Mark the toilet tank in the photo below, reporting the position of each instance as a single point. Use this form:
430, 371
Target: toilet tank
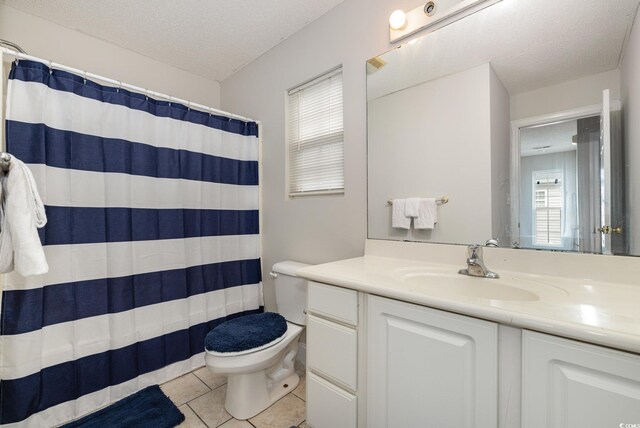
291, 291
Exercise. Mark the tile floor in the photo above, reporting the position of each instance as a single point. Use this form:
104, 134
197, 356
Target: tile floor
200, 397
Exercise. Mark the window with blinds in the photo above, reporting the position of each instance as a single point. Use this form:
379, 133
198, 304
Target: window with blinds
316, 137
548, 203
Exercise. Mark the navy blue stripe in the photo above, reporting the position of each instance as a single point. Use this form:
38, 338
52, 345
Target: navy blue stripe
79, 225
68, 381
32, 71
30, 310
40, 144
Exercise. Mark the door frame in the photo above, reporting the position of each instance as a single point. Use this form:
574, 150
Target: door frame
545, 119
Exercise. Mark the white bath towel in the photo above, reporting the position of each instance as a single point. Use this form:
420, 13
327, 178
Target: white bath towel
412, 207
427, 214
22, 214
398, 218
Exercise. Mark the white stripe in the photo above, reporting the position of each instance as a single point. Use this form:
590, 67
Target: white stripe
33, 102
70, 410
80, 262
74, 188
72, 340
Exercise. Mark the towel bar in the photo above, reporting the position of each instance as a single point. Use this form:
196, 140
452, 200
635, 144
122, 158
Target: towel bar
440, 201
5, 161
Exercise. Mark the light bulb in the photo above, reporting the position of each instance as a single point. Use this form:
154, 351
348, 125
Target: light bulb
398, 20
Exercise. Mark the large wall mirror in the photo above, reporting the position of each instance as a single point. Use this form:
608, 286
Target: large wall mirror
519, 123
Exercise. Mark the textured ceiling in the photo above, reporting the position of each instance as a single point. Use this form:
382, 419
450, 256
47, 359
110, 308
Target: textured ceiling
530, 44
558, 135
210, 38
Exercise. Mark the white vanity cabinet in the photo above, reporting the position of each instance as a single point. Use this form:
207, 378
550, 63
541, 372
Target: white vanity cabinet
378, 362
429, 368
569, 384
332, 356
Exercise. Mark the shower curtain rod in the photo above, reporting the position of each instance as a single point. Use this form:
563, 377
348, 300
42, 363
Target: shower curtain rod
118, 83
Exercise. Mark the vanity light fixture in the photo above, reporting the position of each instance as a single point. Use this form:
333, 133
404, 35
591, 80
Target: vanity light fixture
433, 15
398, 20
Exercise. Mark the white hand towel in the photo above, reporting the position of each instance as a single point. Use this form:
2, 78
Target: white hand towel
398, 219
427, 214
23, 213
412, 207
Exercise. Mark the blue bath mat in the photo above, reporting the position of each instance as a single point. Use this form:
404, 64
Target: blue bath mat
148, 408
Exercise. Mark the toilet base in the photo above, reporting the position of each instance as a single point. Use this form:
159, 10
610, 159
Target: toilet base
250, 393
249, 402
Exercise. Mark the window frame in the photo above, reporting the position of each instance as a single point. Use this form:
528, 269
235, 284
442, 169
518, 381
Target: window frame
534, 222
288, 161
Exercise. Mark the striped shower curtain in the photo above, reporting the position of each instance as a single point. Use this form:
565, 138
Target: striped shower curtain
152, 240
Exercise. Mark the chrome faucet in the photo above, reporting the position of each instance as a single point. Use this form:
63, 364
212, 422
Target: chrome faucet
475, 264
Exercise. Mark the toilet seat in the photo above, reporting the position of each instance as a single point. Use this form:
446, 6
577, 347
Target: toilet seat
252, 359
246, 334
248, 351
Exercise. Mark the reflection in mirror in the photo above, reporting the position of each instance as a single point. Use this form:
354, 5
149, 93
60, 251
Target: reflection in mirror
523, 115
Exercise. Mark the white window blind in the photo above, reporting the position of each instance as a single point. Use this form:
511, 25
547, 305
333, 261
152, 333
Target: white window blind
316, 137
548, 203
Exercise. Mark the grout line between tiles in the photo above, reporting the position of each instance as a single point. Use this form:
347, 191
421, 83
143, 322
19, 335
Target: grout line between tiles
274, 403
201, 380
205, 384
197, 415
230, 417
195, 398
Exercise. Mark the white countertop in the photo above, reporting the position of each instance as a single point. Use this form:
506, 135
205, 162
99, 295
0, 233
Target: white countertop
594, 311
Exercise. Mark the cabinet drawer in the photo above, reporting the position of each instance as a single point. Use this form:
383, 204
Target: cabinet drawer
329, 406
337, 303
332, 350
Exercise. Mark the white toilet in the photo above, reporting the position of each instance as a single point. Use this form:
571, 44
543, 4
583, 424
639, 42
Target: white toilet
259, 376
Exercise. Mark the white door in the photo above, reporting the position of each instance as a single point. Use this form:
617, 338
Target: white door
568, 384
429, 368
605, 171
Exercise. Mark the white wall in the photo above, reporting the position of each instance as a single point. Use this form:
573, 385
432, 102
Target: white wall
50, 41
314, 229
500, 161
630, 82
418, 148
586, 91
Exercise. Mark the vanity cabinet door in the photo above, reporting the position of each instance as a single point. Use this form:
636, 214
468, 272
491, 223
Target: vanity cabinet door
569, 384
429, 368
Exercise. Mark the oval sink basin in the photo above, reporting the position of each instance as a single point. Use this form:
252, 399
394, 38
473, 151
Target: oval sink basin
479, 288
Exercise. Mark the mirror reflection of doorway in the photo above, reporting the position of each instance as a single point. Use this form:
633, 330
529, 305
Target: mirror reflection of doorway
549, 214
561, 185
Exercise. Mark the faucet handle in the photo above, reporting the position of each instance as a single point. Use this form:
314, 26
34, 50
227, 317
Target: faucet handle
474, 251
491, 243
